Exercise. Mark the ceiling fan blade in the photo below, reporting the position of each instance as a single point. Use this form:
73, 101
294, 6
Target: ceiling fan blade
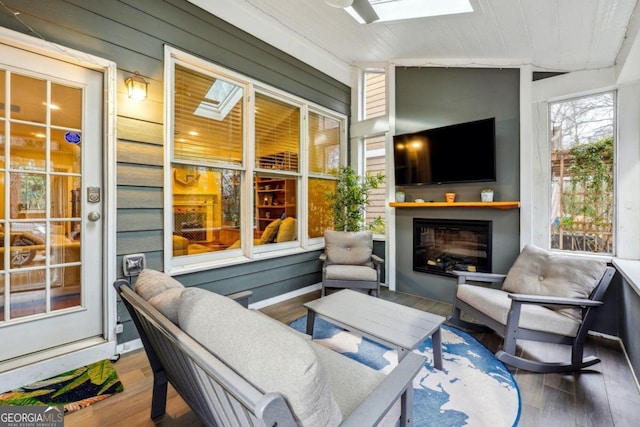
365, 10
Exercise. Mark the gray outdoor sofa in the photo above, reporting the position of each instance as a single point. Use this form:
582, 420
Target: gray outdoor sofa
238, 367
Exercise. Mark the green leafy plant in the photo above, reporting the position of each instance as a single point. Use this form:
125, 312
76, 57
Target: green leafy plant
587, 205
351, 197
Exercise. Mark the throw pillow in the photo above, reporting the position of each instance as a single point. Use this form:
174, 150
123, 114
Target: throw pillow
151, 282
262, 351
288, 230
166, 302
269, 233
537, 271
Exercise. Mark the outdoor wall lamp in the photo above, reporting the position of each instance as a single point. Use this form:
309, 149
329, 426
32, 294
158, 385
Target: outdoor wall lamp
137, 87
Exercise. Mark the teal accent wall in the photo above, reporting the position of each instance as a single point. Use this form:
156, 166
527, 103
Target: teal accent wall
434, 97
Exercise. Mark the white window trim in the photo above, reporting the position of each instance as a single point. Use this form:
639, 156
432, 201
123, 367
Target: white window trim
249, 252
537, 212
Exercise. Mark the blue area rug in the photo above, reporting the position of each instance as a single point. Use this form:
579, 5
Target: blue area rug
473, 389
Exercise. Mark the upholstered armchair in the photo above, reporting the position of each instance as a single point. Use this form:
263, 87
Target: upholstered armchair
545, 296
349, 262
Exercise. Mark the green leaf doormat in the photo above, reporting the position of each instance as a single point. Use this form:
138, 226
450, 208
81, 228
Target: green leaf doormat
74, 389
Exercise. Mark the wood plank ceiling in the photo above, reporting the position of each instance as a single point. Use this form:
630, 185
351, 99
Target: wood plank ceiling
552, 35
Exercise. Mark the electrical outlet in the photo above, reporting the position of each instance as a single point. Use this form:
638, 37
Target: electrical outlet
119, 328
133, 264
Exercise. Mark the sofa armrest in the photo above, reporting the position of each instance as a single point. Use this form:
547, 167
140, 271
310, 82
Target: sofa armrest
241, 297
400, 380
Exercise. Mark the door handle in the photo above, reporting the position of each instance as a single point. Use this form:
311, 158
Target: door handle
93, 216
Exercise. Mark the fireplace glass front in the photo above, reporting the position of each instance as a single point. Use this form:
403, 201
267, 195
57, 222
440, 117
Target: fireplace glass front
441, 246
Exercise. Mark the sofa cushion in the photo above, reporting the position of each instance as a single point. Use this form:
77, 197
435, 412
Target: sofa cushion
288, 230
348, 247
262, 351
540, 272
350, 382
151, 282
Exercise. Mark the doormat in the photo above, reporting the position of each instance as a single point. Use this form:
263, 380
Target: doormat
473, 389
74, 389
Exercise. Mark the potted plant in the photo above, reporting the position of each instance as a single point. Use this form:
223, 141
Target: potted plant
350, 198
486, 195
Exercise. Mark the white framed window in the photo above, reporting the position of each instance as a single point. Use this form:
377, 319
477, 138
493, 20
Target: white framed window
243, 160
582, 141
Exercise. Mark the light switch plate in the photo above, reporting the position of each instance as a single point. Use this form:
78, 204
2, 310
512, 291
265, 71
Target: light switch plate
133, 264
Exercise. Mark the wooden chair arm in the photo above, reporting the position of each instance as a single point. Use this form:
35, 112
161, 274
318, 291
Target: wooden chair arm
376, 259
555, 301
373, 409
323, 256
464, 276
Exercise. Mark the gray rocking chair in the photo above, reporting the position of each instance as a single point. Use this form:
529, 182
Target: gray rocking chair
545, 297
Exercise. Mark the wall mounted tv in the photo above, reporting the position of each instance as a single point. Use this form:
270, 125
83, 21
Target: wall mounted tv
464, 152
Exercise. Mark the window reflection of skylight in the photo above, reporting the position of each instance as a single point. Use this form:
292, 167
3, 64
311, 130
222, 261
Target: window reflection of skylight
395, 10
219, 100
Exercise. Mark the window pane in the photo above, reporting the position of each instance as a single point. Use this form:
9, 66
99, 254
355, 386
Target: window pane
374, 164
276, 209
324, 144
206, 209
582, 141
277, 134
374, 95
319, 214
208, 118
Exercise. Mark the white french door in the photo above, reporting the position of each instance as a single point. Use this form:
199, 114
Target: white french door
51, 204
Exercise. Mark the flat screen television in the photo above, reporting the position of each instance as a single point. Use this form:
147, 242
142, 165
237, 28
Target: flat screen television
464, 152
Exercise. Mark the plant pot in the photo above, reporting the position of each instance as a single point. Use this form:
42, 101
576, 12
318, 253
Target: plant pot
486, 196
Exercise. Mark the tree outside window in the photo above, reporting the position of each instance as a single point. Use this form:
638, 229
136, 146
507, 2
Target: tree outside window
582, 159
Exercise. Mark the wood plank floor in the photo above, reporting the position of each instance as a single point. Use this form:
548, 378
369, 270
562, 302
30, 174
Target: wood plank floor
605, 395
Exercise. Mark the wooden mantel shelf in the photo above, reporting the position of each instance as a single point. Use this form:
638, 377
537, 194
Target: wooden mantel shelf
486, 205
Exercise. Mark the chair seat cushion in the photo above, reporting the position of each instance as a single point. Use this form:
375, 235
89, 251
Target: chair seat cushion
262, 351
540, 272
350, 272
495, 303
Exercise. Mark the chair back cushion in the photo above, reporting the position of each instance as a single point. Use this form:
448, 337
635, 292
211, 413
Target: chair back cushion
540, 272
348, 247
264, 351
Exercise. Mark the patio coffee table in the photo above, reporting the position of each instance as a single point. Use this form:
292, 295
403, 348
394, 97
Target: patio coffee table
386, 322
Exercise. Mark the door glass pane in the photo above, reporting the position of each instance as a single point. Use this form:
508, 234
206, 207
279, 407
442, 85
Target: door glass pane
28, 147
28, 293
40, 230
66, 106
28, 99
66, 151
